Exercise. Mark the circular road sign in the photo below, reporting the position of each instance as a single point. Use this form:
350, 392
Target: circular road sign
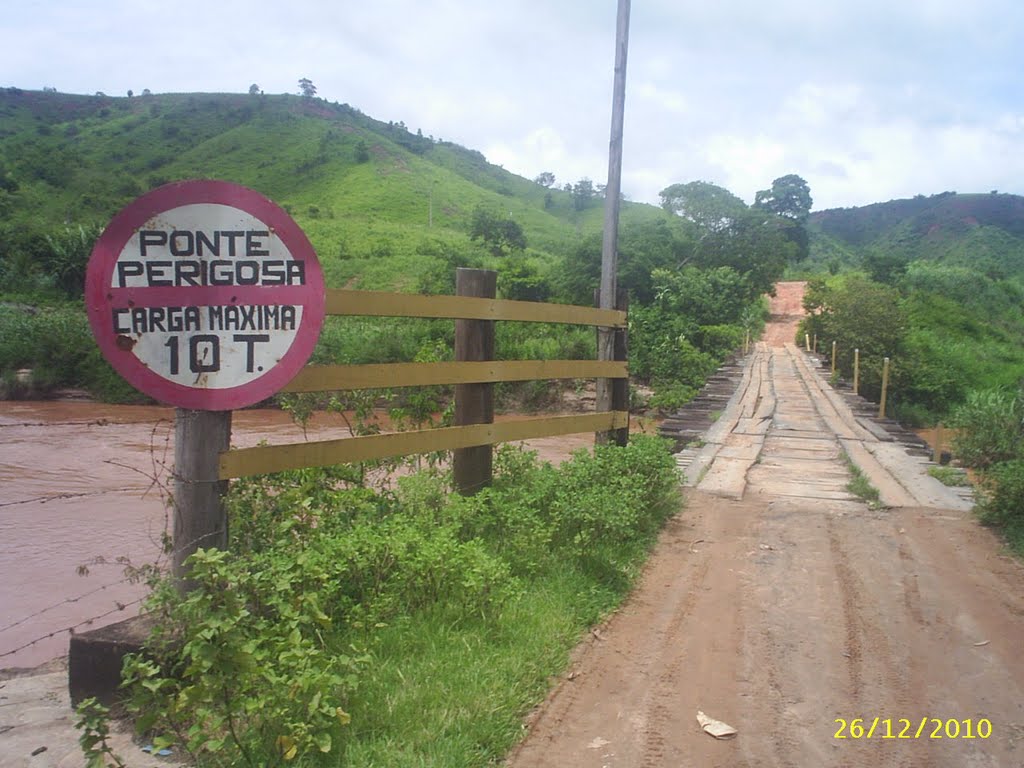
205, 295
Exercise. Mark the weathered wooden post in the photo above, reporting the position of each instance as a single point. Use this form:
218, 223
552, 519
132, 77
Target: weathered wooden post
885, 387
474, 403
833, 358
937, 451
746, 342
807, 342
200, 520
856, 371
815, 343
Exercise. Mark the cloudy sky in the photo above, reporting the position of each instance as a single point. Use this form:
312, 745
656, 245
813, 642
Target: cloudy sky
868, 100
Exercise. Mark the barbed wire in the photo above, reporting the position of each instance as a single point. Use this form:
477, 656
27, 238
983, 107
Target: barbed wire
85, 423
59, 496
66, 601
71, 630
159, 564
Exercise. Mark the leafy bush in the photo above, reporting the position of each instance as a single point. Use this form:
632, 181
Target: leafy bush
1003, 503
261, 663
57, 344
990, 428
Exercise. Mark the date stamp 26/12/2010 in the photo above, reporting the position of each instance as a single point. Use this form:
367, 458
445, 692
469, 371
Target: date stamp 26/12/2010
904, 728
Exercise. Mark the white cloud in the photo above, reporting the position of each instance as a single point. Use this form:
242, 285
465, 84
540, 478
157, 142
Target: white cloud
867, 101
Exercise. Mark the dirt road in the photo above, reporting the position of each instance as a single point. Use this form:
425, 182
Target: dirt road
779, 603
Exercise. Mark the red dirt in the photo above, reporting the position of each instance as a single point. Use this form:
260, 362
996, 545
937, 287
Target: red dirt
786, 312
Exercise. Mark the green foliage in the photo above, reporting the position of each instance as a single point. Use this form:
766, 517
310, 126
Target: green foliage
583, 194
989, 428
94, 726
860, 486
521, 280
856, 313
68, 256
240, 666
56, 343
954, 477
983, 232
708, 206
756, 247
1003, 502
643, 248
789, 197
989, 437
501, 235
312, 638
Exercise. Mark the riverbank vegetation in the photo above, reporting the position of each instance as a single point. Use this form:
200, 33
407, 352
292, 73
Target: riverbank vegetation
347, 625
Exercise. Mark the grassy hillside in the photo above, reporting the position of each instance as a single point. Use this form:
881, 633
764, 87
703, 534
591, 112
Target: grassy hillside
982, 231
383, 206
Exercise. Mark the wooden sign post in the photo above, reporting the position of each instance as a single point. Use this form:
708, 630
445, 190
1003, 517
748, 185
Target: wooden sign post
207, 296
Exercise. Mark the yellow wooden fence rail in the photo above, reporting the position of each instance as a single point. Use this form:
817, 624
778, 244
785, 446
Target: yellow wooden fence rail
380, 304
276, 458
325, 378
264, 459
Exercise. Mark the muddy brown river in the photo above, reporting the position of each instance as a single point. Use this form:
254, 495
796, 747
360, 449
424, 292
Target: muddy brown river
82, 484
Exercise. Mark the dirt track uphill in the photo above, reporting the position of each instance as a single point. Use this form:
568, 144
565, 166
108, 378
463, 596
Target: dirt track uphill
784, 606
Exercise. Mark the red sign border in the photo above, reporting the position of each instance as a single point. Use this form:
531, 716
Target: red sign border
99, 296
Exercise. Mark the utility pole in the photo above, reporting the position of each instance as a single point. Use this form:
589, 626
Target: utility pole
608, 297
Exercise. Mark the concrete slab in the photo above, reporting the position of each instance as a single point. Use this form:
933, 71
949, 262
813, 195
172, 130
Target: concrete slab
912, 473
36, 710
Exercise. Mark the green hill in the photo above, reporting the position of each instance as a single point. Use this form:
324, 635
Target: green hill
983, 232
383, 206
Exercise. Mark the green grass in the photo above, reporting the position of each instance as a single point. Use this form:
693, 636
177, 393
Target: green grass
450, 691
954, 477
860, 486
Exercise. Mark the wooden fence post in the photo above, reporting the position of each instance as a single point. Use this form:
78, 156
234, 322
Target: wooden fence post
856, 371
807, 342
937, 452
885, 387
833, 357
474, 403
200, 519
613, 394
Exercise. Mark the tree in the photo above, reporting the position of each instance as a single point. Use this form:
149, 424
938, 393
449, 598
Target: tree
255, 89
643, 248
501, 235
789, 197
756, 247
307, 88
582, 194
130, 93
857, 313
545, 179
709, 206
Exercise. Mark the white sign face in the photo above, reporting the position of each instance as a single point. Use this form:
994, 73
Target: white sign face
199, 291
219, 345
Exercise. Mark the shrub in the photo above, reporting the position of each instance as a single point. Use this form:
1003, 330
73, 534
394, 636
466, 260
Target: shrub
990, 428
1003, 505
